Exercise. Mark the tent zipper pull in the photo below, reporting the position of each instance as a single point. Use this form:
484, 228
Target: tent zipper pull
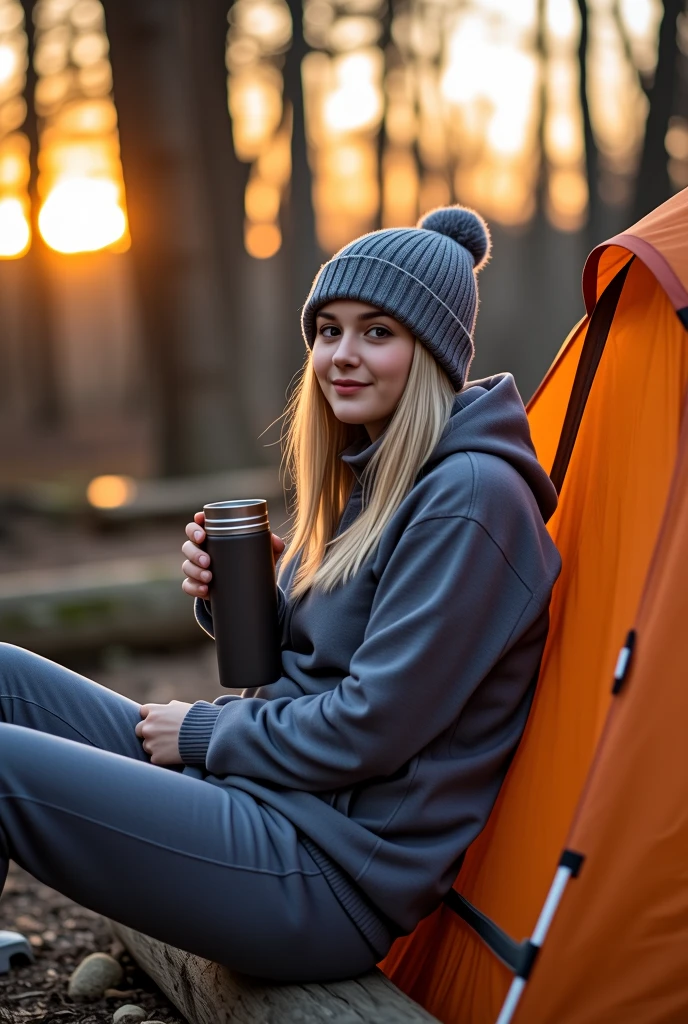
623, 662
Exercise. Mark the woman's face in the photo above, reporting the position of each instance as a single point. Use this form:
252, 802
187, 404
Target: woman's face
356, 342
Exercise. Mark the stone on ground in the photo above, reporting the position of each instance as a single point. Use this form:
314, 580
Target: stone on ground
129, 1014
95, 973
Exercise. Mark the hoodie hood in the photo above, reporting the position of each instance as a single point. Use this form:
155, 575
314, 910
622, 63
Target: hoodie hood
488, 417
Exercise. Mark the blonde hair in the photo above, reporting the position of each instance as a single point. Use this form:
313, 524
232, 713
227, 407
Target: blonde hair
323, 482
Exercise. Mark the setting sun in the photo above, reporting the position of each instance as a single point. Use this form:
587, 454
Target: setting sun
82, 215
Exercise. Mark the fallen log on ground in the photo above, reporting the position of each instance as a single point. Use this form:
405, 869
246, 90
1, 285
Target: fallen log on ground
209, 994
136, 601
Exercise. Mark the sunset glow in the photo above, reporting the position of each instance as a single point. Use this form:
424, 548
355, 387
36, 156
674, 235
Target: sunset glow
8, 62
355, 99
478, 101
15, 227
80, 181
82, 215
260, 30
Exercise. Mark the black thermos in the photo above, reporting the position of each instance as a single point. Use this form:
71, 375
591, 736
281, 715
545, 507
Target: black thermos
243, 592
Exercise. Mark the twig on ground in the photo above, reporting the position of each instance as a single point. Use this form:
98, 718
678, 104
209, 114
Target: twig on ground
26, 995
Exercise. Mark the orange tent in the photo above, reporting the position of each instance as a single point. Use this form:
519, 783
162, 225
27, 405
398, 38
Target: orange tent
586, 850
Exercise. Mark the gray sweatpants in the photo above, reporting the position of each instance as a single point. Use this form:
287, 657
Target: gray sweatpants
203, 867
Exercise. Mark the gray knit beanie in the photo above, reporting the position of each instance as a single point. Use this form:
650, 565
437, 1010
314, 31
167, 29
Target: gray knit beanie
424, 277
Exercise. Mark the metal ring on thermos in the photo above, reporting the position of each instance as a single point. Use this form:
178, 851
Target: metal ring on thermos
247, 515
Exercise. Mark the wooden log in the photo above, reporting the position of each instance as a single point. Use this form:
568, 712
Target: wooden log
209, 994
133, 601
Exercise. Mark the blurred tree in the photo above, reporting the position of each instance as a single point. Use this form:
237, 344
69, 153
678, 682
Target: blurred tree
41, 348
653, 185
386, 45
184, 190
302, 255
592, 226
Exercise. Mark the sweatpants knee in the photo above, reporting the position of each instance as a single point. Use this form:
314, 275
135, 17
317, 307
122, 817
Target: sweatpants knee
13, 658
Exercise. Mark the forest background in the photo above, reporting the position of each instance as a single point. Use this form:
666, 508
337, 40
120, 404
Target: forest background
172, 175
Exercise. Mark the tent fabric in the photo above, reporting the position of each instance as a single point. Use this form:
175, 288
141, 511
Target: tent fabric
614, 500
655, 241
618, 946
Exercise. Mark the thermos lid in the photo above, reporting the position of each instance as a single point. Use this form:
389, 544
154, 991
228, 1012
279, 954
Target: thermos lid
245, 515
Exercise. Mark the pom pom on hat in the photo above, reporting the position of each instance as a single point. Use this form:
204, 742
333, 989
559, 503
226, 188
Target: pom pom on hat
465, 226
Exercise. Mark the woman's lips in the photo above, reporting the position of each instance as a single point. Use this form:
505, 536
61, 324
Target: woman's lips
348, 389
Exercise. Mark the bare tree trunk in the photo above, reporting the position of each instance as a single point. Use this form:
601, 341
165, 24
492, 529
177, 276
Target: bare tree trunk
225, 176
174, 199
301, 253
385, 44
41, 349
591, 154
542, 175
653, 185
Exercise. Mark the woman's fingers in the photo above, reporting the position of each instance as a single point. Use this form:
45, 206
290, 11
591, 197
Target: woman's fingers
195, 568
195, 531
194, 589
193, 571
195, 554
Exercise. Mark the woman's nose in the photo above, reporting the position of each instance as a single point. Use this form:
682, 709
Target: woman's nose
345, 353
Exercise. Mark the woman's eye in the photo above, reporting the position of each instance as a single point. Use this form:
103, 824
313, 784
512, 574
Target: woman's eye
386, 333
326, 329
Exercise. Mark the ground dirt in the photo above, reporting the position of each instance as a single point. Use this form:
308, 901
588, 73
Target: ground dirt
62, 934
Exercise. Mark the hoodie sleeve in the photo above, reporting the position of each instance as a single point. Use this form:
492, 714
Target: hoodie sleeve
447, 606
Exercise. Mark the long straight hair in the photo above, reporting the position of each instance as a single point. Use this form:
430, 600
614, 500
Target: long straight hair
314, 439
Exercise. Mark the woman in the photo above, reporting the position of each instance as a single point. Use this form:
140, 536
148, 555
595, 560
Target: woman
318, 818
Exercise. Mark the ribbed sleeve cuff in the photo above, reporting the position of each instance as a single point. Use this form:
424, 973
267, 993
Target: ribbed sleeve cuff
196, 730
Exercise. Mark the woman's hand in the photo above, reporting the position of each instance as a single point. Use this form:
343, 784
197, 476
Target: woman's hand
159, 730
196, 567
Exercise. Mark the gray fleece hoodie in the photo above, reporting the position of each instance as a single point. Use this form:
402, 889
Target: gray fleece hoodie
405, 692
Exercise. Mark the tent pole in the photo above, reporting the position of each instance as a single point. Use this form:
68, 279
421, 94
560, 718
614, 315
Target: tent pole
568, 867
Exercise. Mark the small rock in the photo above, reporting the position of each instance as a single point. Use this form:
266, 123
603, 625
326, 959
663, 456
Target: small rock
129, 1014
27, 923
95, 973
